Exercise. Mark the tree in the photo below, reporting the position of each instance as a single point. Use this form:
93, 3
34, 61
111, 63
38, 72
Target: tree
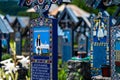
81, 4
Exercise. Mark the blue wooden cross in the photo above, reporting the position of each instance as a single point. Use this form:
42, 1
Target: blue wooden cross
99, 43
40, 6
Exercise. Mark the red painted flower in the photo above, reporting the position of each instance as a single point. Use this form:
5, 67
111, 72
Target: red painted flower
40, 1
28, 2
54, 1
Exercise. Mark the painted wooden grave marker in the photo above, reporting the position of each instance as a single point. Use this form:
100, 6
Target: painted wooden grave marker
67, 45
43, 53
115, 52
99, 44
43, 35
67, 21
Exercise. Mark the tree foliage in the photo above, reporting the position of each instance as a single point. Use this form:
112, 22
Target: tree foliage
30, 14
81, 4
10, 7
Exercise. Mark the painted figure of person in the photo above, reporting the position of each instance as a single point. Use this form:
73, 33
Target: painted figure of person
100, 33
95, 34
94, 31
38, 44
105, 32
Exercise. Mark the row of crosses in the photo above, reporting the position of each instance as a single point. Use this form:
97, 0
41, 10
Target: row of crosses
41, 6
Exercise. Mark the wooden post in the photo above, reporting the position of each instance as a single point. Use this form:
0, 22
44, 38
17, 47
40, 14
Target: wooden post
18, 42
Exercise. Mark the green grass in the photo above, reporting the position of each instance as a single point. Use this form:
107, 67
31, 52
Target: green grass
62, 70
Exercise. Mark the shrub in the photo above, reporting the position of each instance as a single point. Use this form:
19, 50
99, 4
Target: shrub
6, 56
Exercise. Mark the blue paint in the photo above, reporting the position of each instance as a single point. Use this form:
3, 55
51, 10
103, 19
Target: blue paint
117, 45
95, 39
67, 45
44, 33
55, 50
4, 43
67, 53
99, 56
67, 36
42, 70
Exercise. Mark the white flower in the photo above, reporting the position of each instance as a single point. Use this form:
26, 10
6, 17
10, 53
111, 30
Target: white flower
6, 61
24, 61
9, 66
